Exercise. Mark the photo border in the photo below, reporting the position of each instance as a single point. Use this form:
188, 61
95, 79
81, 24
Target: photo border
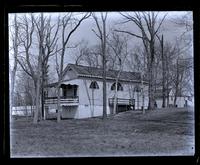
78, 5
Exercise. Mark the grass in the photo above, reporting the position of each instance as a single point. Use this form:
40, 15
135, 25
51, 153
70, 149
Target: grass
160, 132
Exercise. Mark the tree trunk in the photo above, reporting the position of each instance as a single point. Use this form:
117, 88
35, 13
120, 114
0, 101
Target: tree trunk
102, 36
13, 71
104, 95
167, 96
143, 109
167, 81
104, 85
175, 98
163, 98
115, 98
104, 69
58, 105
89, 99
37, 109
92, 102
163, 75
149, 20
42, 96
39, 75
176, 83
151, 87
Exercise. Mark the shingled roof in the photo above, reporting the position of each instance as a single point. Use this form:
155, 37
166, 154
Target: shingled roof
86, 71
94, 72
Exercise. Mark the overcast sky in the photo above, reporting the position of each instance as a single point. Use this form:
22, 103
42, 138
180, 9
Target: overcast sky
84, 32
85, 29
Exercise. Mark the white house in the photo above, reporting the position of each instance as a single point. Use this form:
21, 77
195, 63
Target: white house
182, 100
82, 94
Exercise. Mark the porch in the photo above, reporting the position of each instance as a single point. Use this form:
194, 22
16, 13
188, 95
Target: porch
69, 101
122, 104
68, 96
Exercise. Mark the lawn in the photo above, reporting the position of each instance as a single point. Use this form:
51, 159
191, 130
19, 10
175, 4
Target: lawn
159, 132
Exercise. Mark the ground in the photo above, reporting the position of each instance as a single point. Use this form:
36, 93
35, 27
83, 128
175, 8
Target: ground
158, 132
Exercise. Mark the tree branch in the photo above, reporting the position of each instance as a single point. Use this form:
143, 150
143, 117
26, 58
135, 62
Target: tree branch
122, 31
160, 24
23, 67
100, 37
74, 29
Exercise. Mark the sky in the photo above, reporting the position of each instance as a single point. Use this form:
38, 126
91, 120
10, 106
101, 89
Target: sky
84, 32
113, 17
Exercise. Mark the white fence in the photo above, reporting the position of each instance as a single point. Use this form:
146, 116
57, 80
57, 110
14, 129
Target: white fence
23, 110
27, 111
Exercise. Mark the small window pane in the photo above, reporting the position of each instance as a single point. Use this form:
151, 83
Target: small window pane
119, 87
94, 85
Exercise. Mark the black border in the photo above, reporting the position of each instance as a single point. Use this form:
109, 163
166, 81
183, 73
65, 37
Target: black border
10, 6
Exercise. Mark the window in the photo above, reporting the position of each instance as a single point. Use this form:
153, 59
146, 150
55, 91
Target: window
45, 94
119, 87
64, 92
137, 88
68, 86
94, 85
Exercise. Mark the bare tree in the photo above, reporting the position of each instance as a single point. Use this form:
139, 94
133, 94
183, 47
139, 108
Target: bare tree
13, 69
184, 63
182, 67
28, 27
65, 23
149, 25
94, 58
163, 59
25, 88
175, 65
31, 62
101, 34
137, 59
119, 47
185, 21
170, 53
48, 48
177, 81
83, 54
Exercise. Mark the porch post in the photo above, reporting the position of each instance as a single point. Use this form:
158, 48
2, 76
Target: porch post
45, 108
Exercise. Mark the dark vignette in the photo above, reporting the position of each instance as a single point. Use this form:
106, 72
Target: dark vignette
10, 6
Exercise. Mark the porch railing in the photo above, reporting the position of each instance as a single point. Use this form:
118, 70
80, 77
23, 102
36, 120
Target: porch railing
121, 101
63, 100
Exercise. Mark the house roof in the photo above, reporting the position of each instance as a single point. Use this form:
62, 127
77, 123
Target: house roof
93, 72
